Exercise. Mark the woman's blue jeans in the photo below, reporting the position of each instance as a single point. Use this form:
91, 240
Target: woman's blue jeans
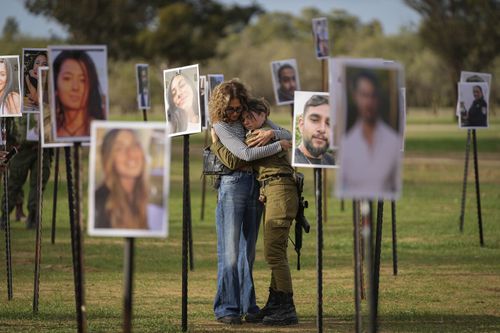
238, 217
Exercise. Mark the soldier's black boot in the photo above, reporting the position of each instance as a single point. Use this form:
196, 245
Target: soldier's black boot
285, 314
271, 306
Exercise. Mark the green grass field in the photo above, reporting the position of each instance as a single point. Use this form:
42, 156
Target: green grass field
446, 281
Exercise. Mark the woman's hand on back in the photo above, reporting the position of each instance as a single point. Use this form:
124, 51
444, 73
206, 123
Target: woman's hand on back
285, 145
260, 138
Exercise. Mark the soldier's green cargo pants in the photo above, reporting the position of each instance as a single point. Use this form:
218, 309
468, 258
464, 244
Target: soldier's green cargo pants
281, 204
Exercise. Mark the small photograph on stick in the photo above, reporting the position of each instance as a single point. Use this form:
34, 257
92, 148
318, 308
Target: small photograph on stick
473, 105
312, 131
32, 60
285, 80
32, 126
10, 96
128, 184
182, 104
475, 77
143, 92
320, 32
78, 90
371, 131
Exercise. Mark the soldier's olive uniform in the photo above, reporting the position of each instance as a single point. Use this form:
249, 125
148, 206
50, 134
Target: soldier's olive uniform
279, 191
24, 162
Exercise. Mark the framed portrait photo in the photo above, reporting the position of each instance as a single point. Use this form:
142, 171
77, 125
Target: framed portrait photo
10, 87
33, 59
312, 131
466, 76
321, 41
473, 105
182, 100
370, 129
143, 91
128, 179
78, 87
203, 102
46, 133
286, 81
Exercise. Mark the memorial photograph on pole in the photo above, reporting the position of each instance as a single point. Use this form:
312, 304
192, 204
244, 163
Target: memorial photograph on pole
10, 86
128, 179
466, 76
78, 87
32, 126
320, 32
313, 131
32, 60
473, 104
143, 91
370, 130
182, 100
286, 81
47, 135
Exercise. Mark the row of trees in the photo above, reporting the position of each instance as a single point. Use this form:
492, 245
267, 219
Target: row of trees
240, 41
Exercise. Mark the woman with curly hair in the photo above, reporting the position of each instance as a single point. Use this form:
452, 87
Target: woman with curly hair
238, 211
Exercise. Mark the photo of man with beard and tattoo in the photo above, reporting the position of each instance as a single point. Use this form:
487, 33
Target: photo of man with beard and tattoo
314, 128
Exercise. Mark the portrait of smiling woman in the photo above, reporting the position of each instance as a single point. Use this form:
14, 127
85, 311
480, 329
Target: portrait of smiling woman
32, 60
78, 94
181, 100
129, 186
10, 100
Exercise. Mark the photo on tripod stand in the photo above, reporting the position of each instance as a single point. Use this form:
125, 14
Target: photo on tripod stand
473, 105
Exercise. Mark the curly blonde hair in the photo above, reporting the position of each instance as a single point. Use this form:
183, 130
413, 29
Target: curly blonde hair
222, 95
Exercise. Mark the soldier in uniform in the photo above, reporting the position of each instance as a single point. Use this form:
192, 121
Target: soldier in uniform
279, 194
22, 164
478, 110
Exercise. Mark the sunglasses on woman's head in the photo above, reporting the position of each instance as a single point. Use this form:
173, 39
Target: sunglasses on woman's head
237, 109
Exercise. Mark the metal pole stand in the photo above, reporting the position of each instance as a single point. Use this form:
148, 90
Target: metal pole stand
54, 198
186, 218
75, 240
394, 240
464, 186
38, 219
6, 219
478, 193
368, 243
318, 184
128, 273
357, 266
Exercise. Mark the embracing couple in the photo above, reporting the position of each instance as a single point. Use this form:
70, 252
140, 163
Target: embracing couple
255, 149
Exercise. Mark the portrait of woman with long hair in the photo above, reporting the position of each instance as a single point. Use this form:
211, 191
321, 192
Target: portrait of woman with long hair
10, 100
78, 95
181, 99
129, 192
32, 60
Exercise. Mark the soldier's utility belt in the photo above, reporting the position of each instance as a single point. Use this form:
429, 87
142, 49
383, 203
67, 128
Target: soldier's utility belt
278, 176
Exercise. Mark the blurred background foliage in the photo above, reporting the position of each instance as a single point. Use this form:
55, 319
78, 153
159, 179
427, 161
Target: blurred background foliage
241, 41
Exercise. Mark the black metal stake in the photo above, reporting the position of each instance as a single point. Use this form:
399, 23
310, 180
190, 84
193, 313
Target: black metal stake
6, 219
478, 193
128, 272
75, 245
318, 184
394, 240
38, 219
366, 214
357, 266
186, 217
378, 248
54, 197
464, 186
144, 115
342, 205
204, 184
